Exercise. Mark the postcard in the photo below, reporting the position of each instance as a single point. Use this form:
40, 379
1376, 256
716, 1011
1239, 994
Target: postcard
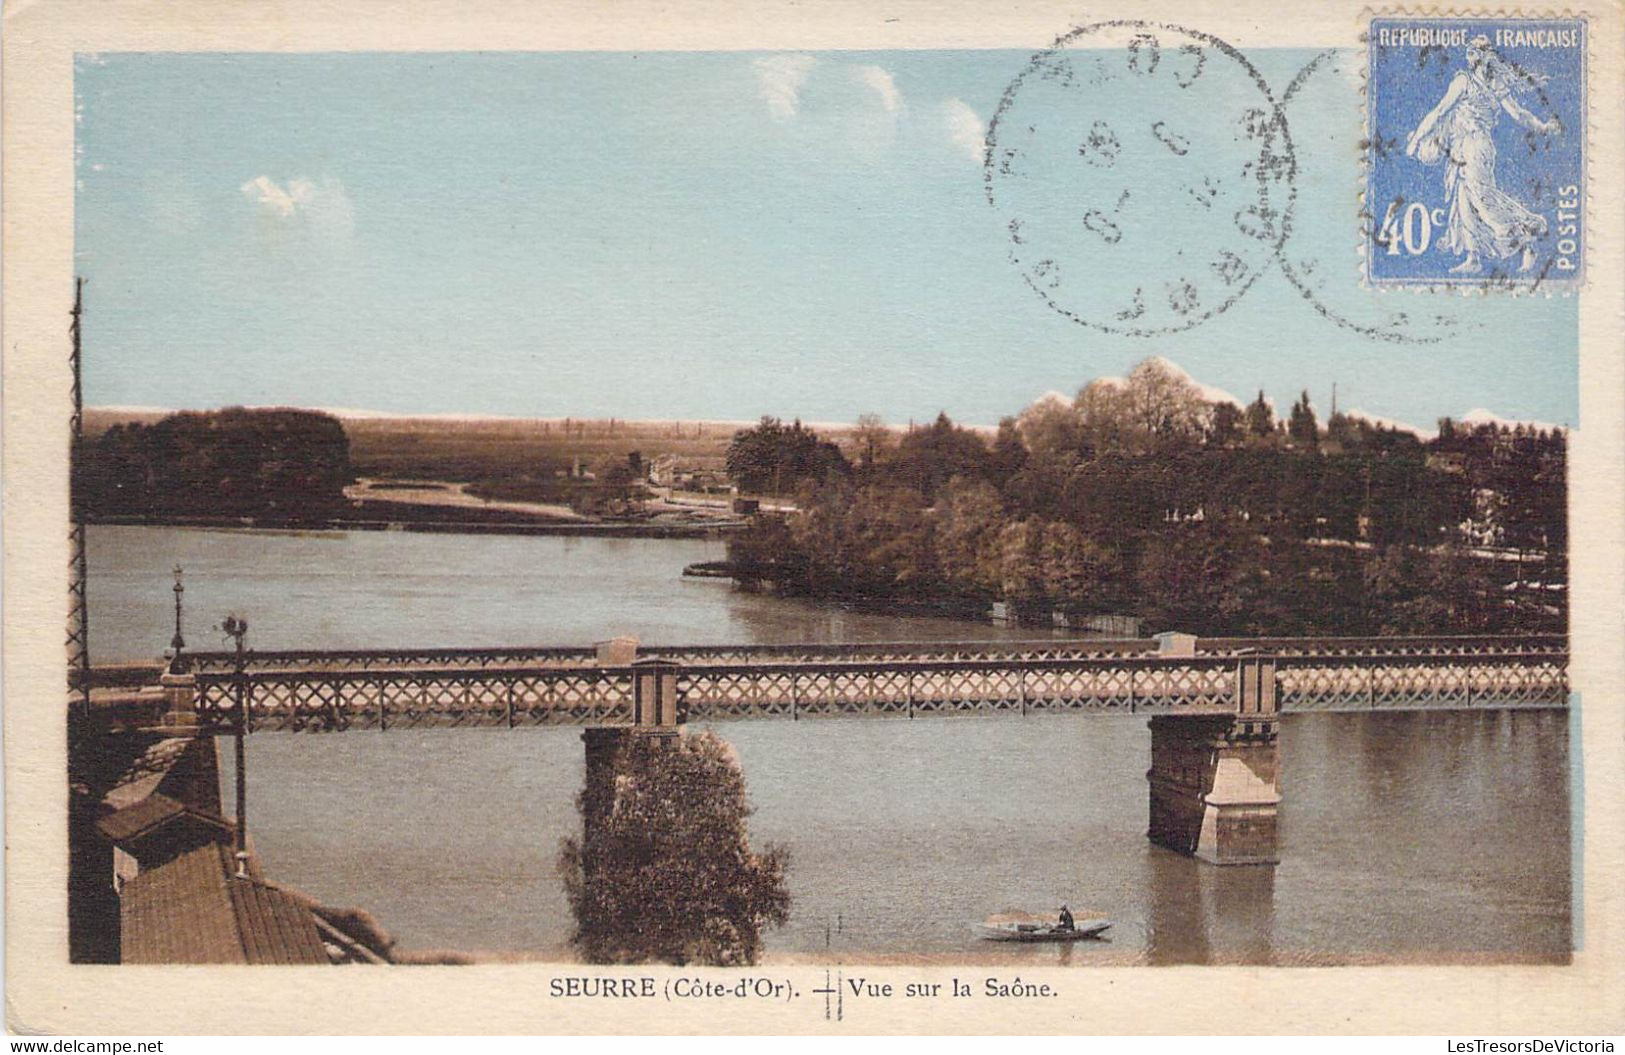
756, 518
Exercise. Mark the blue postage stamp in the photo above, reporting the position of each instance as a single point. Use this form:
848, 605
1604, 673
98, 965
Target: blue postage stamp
1475, 152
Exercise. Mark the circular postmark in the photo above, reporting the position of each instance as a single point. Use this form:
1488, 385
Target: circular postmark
1317, 262
1144, 174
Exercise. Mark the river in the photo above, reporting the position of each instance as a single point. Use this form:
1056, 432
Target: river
1433, 837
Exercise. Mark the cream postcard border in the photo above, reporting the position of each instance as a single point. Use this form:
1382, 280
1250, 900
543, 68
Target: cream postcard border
46, 994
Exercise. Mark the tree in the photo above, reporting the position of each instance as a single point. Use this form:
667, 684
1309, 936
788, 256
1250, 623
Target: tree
895, 538
1077, 572
766, 549
1141, 496
1417, 591
1009, 452
969, 518
1164, 403
1101, 409
1156, 406
287, 465
618, 486
1260, 417
872, 440
664, 871
1301, 427
774, 458
1344, 431
1051, 428
1203, 578
1017, 560
1225, 423
928, 458
865, 540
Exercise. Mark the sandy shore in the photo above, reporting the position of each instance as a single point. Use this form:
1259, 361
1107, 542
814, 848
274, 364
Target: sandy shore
450, 495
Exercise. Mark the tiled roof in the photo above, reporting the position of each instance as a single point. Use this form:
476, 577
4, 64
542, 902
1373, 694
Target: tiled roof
275, 927
142, 773
193, 910
145, 815
148, 815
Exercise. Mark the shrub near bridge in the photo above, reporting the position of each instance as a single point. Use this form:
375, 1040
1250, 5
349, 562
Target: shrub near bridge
664, 871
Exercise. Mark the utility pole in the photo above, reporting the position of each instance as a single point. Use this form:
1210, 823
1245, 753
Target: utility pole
237, 629
78, 610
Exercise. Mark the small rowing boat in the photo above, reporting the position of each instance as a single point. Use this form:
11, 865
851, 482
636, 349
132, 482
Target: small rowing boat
1024, 926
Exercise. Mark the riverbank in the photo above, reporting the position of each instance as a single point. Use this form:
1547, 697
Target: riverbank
765, 579
567, 528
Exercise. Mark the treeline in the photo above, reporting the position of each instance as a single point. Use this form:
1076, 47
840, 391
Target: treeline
278, 465
773, 457
1142, 497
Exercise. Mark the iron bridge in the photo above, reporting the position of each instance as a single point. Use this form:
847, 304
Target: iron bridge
331, 691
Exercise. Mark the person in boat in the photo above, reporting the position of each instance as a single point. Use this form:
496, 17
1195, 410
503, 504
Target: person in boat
1067, 922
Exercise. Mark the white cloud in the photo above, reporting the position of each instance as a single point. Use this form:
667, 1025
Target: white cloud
283, 202
1211, 393
779, 79
1393, 423
882, 84
1481, 416
964, 127
320, 205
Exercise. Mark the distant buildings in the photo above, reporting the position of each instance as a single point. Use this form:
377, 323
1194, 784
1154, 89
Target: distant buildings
706, 474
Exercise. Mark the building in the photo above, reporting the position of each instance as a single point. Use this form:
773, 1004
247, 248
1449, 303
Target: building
181, 893
705, 474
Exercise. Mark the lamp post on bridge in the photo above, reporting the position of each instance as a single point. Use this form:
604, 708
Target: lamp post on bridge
237, 630
177, 643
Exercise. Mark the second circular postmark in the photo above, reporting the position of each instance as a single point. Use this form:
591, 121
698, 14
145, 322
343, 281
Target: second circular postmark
1144, 174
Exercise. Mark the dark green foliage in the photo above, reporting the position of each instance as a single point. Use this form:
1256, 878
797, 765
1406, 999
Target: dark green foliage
1301, 427
926, 459
1084, 507
1414, 591
664, 871
1260, 416
773, 458
1225, 428
285, 465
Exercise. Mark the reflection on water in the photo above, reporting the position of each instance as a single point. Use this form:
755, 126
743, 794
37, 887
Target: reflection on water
376, 589
903, 835
1207, 915
1404, 837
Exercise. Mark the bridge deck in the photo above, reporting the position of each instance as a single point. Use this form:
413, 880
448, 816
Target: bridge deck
1043, 648
501, 695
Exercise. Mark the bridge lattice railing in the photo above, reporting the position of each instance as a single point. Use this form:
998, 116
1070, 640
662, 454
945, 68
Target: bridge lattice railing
315, 700
1310, 683
333, 701
808, 690
904, 651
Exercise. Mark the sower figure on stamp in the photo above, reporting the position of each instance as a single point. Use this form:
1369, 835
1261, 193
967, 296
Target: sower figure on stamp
1484, 220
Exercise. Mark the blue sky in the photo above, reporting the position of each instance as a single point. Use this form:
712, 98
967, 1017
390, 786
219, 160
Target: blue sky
694, 235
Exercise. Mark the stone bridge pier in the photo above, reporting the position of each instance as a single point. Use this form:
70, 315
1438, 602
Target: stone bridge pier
655, 715
1213, 777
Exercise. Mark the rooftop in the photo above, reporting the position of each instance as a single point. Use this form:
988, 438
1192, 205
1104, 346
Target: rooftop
193, 909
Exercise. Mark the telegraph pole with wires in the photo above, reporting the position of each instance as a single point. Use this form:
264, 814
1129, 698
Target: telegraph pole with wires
78, 612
